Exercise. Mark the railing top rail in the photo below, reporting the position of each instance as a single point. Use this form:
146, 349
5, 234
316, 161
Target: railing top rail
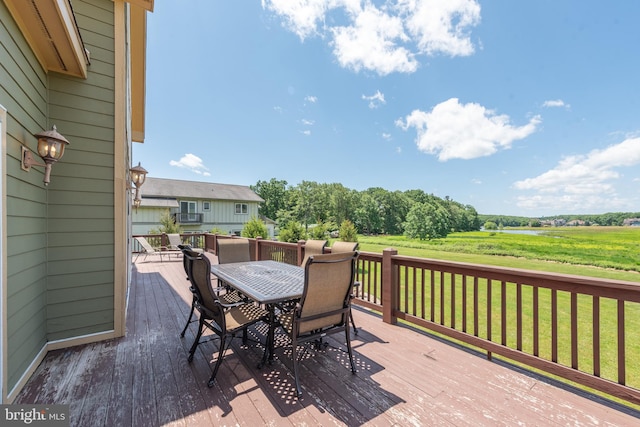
568, 282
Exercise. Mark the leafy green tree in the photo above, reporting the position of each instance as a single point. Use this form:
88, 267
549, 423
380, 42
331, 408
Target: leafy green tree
368, 216
217, 230
426, 221
274, 194
255, 228
342, 203
292, 232
490, 225
301, 198
394, 207
348, 232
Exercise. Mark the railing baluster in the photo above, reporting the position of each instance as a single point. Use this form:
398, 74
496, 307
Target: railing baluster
476, 323
405, 284
453, 300
574, 330
423, 294
596, 335
464, 303
519, 316
554, 326
622, 372
536, 322
503, 313
442, 298
489, 305
433, 295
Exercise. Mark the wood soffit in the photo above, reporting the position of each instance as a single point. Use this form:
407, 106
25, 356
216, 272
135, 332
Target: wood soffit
51, 30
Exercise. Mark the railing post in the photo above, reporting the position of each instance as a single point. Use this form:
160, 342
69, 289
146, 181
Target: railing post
257, 254
214, 243
389, 286
300, 255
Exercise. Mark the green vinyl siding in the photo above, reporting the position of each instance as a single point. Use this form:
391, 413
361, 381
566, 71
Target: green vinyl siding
81, 197
23, 93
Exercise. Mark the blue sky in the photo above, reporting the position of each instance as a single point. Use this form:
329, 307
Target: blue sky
528, 107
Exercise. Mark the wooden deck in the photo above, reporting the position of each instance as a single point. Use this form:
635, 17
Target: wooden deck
404, 377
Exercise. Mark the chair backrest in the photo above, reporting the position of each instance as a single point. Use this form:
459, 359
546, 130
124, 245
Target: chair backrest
232, 250
145, 245
328, 281
313, 247
174, 240
187, 255
206, 298
340, 246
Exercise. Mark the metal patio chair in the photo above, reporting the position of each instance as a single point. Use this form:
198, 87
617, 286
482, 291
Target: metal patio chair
338, 247
225, 320
147, 249
313, 247
324, 306
228, 297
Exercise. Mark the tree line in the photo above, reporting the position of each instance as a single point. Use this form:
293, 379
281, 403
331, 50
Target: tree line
605, 219
314, 209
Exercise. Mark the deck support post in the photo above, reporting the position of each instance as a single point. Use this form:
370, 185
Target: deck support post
389, 286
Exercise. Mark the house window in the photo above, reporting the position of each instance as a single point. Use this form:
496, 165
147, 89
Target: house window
206, 206
242, 208
188, 211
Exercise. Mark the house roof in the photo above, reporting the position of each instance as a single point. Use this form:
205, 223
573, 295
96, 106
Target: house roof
159, 203
179, 189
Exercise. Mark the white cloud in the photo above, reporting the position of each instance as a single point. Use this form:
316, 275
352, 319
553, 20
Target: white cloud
555, 103
192, 163
582, 182
440, 26
383, 39
307, 122
371, 43
300, 17
375, 100
306, 132
386, 136
464, 131
311, 99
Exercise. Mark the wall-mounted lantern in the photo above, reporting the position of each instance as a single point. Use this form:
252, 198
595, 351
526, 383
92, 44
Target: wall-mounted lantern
50, 148
138, 175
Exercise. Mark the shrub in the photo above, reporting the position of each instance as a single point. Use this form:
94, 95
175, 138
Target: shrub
490, 225
255, 228
348, 232
292, 232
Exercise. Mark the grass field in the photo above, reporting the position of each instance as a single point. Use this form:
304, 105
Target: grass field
607, 252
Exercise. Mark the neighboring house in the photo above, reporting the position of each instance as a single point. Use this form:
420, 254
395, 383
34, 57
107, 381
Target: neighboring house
633, 222
197, 207
65, 256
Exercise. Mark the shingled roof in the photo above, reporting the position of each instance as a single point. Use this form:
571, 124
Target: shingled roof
179, 189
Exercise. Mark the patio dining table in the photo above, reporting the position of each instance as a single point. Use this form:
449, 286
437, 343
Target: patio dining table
265, 282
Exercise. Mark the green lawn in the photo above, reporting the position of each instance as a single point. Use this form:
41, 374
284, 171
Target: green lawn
607, 252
